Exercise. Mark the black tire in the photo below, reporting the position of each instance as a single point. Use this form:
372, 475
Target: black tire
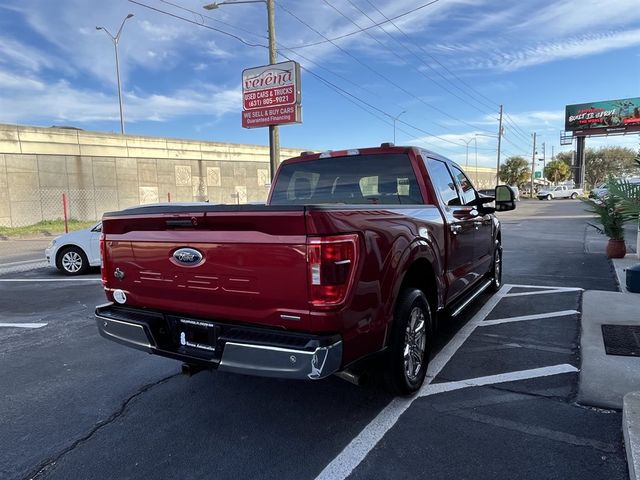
574, 195
404, 377
496, 268
549, 197
72, 261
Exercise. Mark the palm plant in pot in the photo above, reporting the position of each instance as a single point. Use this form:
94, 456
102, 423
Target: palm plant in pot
608, 210
628, 194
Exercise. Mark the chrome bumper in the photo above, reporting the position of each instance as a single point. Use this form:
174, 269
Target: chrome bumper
237, 357
268, 361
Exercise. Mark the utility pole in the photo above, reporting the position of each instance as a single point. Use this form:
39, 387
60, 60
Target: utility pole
533, 163
553, 155
544, 158
499, 145
274, 130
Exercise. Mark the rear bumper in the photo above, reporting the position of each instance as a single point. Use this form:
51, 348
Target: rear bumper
231, 348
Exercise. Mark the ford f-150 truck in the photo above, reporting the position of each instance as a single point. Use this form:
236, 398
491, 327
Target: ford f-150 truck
356, 254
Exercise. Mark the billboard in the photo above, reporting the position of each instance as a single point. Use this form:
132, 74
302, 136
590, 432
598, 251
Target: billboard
603, 118
271, 95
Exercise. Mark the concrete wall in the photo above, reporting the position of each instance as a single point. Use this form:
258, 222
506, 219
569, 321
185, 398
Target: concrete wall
101, 172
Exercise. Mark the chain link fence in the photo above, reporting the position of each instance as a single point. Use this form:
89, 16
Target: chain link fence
87, 205
49, 204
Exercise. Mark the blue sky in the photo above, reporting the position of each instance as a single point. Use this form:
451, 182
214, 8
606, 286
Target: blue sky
447, 66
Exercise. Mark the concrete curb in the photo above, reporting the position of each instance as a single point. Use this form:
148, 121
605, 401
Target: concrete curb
620, 266
631, 432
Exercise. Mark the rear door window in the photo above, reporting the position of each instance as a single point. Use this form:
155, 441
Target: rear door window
358, 179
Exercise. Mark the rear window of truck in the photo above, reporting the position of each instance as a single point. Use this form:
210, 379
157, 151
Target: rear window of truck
359, 179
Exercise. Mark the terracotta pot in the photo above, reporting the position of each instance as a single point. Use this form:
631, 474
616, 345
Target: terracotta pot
616, 248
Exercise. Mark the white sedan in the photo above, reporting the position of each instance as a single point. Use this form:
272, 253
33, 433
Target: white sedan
73, 253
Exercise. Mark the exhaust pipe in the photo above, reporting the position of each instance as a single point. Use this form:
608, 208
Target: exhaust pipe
190, 370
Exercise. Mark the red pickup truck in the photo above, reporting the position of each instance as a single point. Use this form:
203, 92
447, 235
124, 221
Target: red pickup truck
356, 253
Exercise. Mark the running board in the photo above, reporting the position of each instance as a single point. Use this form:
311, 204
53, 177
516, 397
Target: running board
475, 295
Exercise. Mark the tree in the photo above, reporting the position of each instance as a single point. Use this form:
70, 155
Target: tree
515, 171
557, 171
604, 162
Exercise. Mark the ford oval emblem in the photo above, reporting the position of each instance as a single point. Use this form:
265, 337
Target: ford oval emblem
188, 257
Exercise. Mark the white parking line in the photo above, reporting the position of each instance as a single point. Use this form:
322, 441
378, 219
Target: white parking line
543, 292
537, 316
23, 325
342, 466
355, 452
49, 279
495, 379
546, 287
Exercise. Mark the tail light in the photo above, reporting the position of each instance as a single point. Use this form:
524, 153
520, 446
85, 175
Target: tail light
103, 258
331, 262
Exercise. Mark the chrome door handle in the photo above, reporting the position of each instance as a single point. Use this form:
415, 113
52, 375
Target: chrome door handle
455, 229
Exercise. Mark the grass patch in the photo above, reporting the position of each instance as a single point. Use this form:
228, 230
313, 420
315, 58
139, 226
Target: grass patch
46, 228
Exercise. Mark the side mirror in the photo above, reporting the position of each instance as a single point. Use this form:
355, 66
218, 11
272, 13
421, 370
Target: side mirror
505, 199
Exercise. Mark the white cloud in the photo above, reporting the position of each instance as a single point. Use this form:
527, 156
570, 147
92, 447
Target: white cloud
215, 51
30, 98
20, 55
579, 17
560, 50
11, 81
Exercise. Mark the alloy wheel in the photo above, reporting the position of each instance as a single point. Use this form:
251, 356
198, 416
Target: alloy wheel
497, 267
72, 262
414, 343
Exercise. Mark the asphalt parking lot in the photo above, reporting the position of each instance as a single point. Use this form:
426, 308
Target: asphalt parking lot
500, 403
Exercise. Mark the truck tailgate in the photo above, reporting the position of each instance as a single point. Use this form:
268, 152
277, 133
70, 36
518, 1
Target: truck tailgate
253, 267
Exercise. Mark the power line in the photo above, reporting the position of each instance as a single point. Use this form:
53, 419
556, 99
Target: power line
518, 131
281, 47
491, 104
320, 78
376, 72
202, 17
242, 40
203, 24
373, 107
340, 37
444, 87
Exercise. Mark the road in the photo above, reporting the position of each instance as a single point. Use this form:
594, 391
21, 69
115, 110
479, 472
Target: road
22, 254
500, 403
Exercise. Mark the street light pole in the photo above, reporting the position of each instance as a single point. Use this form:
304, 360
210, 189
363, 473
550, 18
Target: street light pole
274, 130
476, 135
394, 125
467, 142
499, 147
116, 41
533, 163
476, 144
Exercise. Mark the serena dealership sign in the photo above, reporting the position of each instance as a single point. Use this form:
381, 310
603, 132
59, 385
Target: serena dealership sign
271, 95
608, 117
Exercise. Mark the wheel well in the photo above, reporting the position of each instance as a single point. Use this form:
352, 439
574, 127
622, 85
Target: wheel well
421, 276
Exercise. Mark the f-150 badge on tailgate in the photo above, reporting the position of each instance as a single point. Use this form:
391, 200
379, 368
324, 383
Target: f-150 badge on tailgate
187, 256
